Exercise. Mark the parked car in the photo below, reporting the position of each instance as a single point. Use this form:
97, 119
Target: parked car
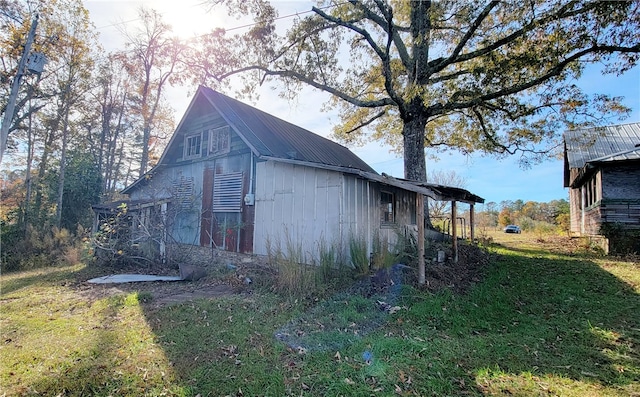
512, 229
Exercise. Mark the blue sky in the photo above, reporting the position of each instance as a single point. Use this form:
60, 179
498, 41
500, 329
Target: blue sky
494, 180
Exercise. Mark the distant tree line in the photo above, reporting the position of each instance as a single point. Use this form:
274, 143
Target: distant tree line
529, 215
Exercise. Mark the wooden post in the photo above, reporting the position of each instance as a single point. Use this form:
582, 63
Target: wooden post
420, 239
163, 239
472, 222
454, 233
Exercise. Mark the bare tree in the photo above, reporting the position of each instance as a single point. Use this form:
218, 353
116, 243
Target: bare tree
153, 58
442, 209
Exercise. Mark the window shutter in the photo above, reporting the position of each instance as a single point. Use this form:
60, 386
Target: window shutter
227, 192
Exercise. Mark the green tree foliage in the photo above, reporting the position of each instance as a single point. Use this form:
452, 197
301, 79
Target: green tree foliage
82, 188
496, 77
531, 214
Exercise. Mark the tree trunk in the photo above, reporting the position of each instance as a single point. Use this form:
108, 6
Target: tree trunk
63, 166
42, 170
413, 139
413, 133
28, 180
146, 137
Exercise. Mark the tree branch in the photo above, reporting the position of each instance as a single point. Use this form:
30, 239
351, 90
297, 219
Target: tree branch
367, 122
474, 27
304, 79
555, 71
441, 63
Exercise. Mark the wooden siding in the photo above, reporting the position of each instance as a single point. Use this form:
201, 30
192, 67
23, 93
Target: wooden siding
616, 199
206, 224
575, 213
199, 224
592, 219
295, 204
621, 181
624, 212
202, 119
311, 207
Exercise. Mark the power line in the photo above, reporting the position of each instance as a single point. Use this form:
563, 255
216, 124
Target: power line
114, 24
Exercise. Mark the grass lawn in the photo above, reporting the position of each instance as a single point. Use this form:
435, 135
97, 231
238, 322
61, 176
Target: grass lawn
545, 321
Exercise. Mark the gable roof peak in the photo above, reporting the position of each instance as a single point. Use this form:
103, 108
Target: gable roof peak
272, 137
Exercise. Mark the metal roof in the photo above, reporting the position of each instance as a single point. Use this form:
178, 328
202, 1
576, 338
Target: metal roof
276, 138
602, 144
271, 138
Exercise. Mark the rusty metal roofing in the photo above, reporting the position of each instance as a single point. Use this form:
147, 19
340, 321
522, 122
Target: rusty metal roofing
272, 137
602, 144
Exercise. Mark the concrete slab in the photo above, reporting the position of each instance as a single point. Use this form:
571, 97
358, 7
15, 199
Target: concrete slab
131, 278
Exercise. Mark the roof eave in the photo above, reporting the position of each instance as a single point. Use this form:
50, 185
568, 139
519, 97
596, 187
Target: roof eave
436, 192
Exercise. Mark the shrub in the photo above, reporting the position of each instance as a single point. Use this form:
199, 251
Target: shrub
30, 248
622, 241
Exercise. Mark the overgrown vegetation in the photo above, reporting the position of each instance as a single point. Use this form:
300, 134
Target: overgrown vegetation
328, 266
35, 231
33, 248
548, 319
622, 240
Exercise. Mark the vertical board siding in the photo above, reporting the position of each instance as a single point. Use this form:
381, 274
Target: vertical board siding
575, 215
199, 224
296, 208
299, 208
206, 233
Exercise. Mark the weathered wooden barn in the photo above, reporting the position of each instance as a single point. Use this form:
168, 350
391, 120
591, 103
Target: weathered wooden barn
602, 172
238, 179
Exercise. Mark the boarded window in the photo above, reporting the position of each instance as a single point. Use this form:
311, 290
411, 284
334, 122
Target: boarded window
387, 204
183, 192
227, 192
219, 141
192, 146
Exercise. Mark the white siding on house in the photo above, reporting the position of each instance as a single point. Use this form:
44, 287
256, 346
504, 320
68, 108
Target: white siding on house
313, 206
295, 203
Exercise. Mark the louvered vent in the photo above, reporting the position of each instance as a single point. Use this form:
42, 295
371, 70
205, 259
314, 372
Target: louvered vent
227, 192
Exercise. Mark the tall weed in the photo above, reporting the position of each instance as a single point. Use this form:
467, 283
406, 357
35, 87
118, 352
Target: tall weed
292, 276
358, 254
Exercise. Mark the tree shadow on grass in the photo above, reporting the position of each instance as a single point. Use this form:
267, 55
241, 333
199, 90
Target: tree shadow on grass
537, 324
14, 281
117, 355
551, 318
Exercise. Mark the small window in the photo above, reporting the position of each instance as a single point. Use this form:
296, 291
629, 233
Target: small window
387, 204
192, 146
219, 141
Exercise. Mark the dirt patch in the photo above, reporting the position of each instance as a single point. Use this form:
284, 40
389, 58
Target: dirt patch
225, 274
461, 276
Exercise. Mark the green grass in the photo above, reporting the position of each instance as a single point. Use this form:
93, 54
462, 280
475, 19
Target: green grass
541, 323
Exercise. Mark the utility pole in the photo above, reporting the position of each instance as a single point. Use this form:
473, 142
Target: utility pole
15, 86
